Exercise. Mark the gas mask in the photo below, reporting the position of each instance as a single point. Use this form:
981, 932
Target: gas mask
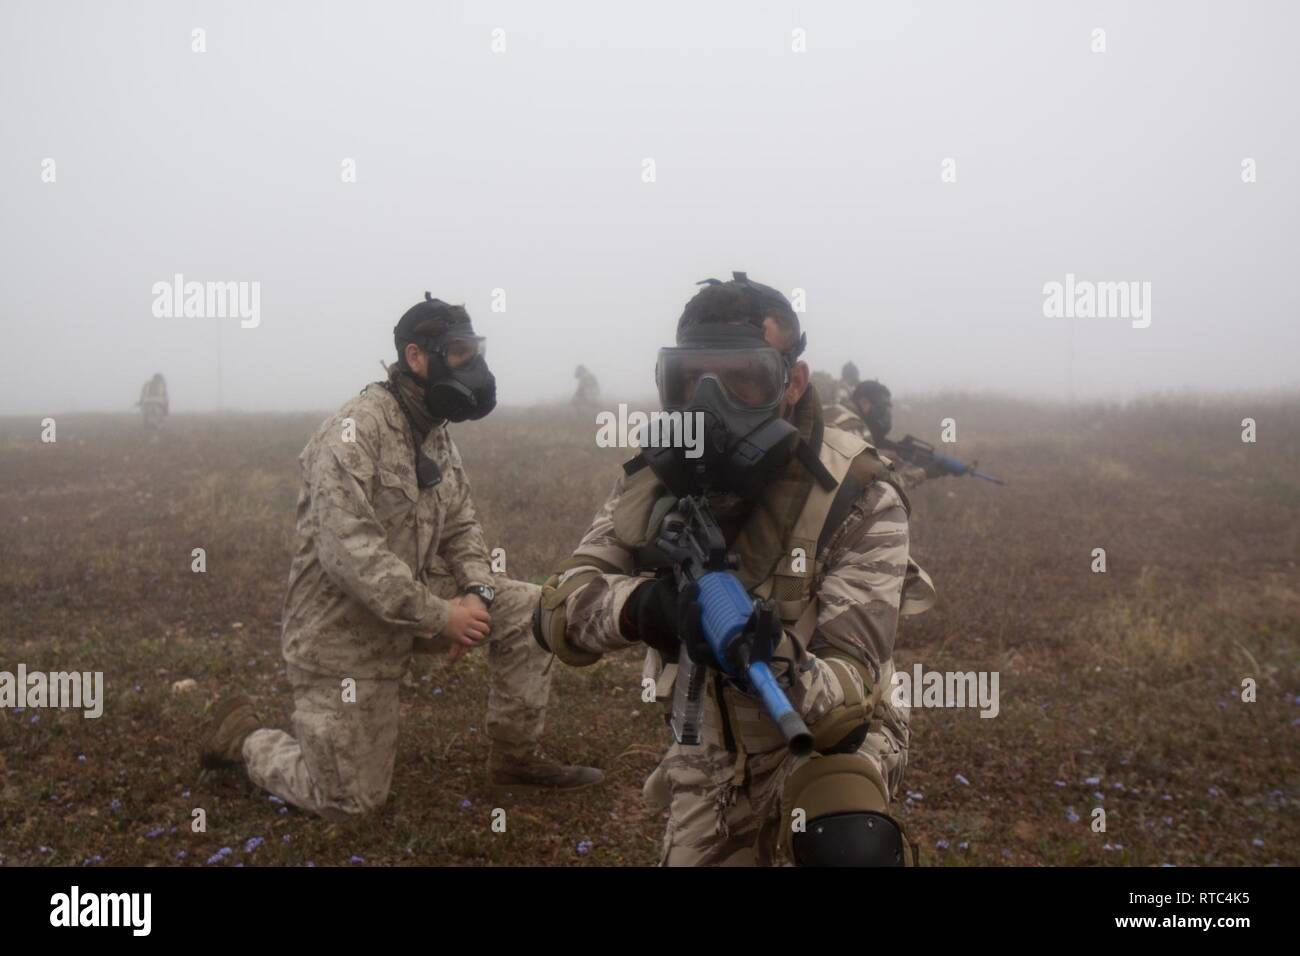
459, 386
732, 381
877, 410
880, 419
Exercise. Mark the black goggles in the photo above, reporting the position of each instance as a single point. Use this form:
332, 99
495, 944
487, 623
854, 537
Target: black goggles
750, 378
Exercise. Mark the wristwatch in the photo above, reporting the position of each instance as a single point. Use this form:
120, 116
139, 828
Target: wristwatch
487, 594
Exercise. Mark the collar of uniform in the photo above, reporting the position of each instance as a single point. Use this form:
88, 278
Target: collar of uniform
391, 409
397, 420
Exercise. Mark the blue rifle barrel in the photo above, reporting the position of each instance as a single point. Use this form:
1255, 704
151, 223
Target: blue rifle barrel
951, 465
725, 610
777, 705
955, 467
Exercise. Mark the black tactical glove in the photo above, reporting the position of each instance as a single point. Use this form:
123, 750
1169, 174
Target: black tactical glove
660, 616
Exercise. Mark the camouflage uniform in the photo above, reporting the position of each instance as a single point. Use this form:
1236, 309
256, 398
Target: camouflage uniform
723, 796
846, 417
588, 391
378, 559
846, 384
153, 399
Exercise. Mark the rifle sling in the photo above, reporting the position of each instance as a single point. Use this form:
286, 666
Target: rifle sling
850, 490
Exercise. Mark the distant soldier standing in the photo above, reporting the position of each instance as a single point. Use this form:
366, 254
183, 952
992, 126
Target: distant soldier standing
390, 555
153, 400
848, 382
588, 392
816, 526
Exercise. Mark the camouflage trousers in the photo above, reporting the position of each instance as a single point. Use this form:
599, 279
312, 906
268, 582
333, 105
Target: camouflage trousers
338, 761
724, 807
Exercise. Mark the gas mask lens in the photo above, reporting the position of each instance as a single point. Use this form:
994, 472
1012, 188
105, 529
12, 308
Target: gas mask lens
751, 378
460, 351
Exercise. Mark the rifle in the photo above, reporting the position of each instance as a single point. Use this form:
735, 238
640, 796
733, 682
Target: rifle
724, 613
922, 453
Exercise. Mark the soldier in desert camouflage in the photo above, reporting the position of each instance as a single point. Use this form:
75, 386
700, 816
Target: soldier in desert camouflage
588, 390
390, 560
153, 401
825, 535
868, 412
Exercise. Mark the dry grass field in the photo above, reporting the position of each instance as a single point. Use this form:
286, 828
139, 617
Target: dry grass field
1120, 690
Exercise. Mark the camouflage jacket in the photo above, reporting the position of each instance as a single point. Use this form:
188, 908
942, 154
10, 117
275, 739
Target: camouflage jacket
847, 419
374, 550
859, 582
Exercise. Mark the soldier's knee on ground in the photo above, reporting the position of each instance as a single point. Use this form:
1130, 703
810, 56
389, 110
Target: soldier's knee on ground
354, 786
835, 813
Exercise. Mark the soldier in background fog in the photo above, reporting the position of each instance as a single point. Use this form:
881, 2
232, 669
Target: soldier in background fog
849, 380
153, 401
868, 412
588, 391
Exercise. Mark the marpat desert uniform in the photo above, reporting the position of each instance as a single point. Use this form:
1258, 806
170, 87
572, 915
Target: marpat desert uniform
378, 559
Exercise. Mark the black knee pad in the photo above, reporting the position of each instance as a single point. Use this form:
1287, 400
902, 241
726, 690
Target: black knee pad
849, 839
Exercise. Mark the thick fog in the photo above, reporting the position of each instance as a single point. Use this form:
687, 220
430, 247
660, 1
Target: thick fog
920, 171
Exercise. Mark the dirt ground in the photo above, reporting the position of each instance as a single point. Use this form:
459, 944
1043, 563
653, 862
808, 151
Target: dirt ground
1121, 690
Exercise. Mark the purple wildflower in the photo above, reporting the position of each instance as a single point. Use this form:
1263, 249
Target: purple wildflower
220, 855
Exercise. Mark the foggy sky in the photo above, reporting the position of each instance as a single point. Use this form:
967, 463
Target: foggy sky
522, 170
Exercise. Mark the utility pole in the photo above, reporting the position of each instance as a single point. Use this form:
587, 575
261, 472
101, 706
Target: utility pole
217, 322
